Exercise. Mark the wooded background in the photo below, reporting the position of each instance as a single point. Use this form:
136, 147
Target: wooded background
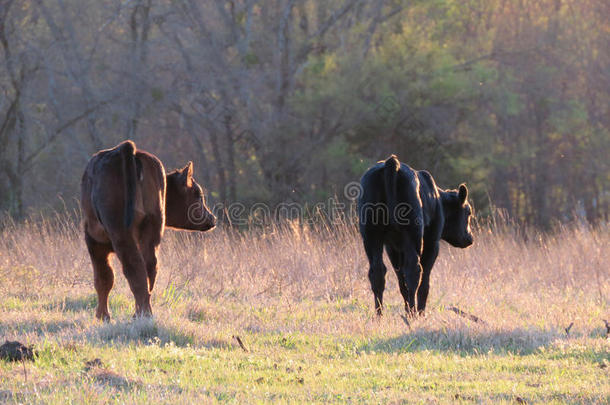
289, 100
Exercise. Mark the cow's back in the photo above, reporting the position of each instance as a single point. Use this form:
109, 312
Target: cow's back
103, 193
406, 208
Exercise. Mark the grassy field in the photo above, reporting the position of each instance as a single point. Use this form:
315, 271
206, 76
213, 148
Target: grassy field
300, 303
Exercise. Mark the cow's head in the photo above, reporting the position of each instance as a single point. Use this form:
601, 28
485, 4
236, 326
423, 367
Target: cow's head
458, 212
184, 202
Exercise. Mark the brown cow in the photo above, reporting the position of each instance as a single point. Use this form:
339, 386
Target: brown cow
127, 200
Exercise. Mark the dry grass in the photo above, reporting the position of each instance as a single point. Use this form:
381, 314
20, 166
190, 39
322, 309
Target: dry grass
300, 289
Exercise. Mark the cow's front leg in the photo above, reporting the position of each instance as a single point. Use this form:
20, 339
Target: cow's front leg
396, 258
411, 272
427, 261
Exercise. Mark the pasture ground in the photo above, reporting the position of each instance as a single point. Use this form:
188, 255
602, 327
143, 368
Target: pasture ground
299, 301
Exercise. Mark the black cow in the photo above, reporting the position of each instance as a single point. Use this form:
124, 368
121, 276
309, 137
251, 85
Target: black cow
404, 210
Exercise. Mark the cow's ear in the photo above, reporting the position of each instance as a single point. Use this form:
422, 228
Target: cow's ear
187, 174
189, 169
463, 193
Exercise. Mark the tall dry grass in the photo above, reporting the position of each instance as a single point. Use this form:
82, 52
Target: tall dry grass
527, 287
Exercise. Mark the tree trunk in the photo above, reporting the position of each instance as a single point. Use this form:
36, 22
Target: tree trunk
140, 28
220, 170
230, 146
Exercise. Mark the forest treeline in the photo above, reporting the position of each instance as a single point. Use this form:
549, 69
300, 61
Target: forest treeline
289, 100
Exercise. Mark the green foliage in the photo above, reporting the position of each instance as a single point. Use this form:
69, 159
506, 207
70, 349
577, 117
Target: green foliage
156, 94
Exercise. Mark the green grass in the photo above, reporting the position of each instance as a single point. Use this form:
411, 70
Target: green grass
301, 305
160, 360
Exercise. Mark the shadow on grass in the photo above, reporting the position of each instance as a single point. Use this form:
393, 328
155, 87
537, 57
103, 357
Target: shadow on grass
465, 342
150, 331
39, 327
119, 304
71, 304
110, 378
139, 330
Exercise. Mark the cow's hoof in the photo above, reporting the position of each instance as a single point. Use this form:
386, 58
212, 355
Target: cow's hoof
139, 315
103, 317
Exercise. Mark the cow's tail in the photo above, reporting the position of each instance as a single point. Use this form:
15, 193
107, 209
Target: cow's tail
392, 165
128, 155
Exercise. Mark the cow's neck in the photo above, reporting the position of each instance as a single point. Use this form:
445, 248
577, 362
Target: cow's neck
446, 199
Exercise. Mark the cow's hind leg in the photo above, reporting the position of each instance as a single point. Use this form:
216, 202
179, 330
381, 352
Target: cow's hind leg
373, 245
150, 238
103, 275
134, 269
